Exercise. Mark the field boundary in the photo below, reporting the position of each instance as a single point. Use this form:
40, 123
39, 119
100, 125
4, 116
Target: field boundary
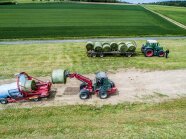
11, 42
167, 18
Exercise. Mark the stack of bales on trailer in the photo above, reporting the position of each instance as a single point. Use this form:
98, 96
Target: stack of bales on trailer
101, 48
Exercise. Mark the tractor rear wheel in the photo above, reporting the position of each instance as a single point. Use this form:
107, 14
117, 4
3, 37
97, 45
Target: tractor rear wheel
84, 94
161, 53
103, 94
149, 53
3, 101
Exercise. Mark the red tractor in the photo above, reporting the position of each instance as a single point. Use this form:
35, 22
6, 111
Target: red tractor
26, 88
102, 86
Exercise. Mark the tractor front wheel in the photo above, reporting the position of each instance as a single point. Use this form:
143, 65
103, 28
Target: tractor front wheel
161, 53
149, 53
84, 94
103, 94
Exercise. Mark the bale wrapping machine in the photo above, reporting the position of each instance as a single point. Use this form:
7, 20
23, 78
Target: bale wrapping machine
26, 88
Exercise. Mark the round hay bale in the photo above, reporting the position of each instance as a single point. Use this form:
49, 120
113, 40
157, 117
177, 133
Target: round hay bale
89, 45
29, 86
114, 46
59, 76
131, 47
122, 47
98, 47
106, 47
103, 43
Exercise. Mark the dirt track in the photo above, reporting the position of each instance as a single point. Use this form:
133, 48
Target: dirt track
133, 86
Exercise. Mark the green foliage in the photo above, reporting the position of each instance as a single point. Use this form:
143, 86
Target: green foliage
41, 59
69, 20
176, 13
181, 3
165, 120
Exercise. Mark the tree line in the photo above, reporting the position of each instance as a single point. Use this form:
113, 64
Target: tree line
172, 3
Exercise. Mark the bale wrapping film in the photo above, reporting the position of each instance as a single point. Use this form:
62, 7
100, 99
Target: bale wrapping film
89, 46
98, 47
114, 46
131, 47
106, 47
122, 47
58, 76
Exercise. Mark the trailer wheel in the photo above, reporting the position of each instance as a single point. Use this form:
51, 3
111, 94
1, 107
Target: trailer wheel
3, 101
161, 53
149, 53
101, 55
93, 55
84, 94
129, 55
103, 94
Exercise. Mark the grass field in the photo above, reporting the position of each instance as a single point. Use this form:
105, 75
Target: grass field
41, 59
64, 20
166, 120
176, 13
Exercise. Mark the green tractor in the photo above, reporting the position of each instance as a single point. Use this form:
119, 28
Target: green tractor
152, 48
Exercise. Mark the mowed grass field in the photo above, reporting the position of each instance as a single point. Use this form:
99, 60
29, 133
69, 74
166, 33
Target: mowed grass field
176, 13
73, 20
41, 59
166, 120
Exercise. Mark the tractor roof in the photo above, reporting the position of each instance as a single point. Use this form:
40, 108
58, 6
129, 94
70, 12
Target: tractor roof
152, 41
100, 75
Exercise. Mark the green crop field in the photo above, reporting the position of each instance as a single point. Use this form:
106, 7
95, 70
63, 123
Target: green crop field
152, 121
41, 59
176, 13
69, 20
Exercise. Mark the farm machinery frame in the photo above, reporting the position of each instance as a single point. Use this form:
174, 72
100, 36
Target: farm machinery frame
26, 88
102, 87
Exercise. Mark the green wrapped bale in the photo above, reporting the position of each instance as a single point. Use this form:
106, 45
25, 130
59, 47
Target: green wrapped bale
106, 47
59, 76
29, 86
114, 46
98, 47
122, 47
90, 46
103, 43
131, 47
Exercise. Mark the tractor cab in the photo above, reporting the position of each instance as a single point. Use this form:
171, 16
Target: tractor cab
152, 48
103, 83
101, 78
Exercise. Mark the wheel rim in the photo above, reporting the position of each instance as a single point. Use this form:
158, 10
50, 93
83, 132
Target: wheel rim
83, 96
94, 55
149, 53
103, 95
